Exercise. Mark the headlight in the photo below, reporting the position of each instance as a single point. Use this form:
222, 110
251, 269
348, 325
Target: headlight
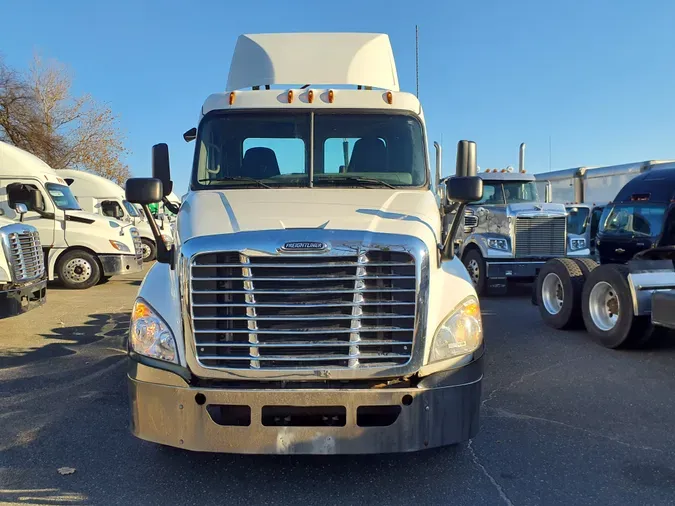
461, 332
149, 335
501, 244
120, 246
577, 244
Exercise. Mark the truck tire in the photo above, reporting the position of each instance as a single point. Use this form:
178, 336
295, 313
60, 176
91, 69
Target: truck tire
78, 269
587, 265
475, 266
607, 308
149, 250
558, 291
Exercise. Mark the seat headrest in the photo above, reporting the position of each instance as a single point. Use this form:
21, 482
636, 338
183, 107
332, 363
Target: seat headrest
369, 155
260, 163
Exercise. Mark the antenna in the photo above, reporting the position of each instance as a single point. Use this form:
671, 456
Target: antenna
417, 61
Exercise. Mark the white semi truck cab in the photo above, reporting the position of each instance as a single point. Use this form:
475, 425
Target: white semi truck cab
101, 196
23, 282
311, 302
81, 249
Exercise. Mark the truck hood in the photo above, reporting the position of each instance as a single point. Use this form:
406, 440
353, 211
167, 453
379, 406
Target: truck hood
407, 212
539, 209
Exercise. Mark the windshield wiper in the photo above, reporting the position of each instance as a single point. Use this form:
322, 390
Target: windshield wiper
236, 178
355, 179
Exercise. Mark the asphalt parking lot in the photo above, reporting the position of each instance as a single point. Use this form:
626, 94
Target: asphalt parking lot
564, 421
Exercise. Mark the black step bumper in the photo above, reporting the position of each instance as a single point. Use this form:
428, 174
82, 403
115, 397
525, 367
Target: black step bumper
20, 300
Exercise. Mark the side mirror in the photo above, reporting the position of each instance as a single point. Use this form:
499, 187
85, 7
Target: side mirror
161, 169
464, 189
37, 201
144, 190
466, 159
190, 135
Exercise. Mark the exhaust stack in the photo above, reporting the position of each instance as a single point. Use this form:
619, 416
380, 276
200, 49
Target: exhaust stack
521, 159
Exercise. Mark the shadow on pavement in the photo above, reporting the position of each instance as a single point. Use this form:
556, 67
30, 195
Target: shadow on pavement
98, 327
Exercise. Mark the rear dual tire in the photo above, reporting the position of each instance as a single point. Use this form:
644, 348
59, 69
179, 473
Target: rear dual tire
558, 289
607, 308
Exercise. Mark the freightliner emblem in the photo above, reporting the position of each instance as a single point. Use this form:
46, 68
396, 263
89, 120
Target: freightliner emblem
304, 246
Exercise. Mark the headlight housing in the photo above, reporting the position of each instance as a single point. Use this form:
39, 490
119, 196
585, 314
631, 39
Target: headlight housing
500, 244
149, 335
577, 244
460, 333
120, 246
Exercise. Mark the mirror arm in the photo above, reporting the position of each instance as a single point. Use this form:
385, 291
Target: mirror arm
447, 248
170, 205
164, 255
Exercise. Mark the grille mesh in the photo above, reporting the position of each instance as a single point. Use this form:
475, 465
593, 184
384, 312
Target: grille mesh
294, 312
540, 236
26, 256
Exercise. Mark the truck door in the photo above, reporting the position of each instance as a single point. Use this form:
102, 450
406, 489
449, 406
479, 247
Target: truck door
629, 229
18, 191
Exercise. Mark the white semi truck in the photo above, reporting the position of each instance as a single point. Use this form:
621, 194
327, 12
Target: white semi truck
312, 301
99, 195
23, 283
81, 249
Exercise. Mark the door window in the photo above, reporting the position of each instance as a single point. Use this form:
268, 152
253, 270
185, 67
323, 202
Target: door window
112, 209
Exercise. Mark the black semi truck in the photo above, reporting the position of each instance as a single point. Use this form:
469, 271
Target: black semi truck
631, 292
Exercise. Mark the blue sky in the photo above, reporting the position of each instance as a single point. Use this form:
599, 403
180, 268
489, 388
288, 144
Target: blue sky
597, 76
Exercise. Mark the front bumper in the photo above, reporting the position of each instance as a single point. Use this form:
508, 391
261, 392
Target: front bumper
21, 300
514, 269
114, 265
442, 410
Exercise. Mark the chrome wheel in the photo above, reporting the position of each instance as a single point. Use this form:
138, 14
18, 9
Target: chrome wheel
474, 271
552, 293
146, 252
77, 270
603, 306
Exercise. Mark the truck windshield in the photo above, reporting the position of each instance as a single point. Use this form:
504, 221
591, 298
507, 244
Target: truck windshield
130, 208
261, 150
62, 196
577, 220
498, 192
633, 219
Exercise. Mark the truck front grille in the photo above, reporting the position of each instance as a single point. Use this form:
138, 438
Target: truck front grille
138, 244
26, 256
303, 312
540, 236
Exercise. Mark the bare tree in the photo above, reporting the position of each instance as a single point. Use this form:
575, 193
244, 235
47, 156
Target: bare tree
39, 113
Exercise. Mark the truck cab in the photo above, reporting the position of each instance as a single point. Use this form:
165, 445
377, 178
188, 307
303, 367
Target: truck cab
510, 232
23, 281
101, 196
81, 249
311, 301
639, 218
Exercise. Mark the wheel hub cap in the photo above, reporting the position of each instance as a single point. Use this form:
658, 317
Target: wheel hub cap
603, 306
78, 270
474, 271
146, 251
552, 293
